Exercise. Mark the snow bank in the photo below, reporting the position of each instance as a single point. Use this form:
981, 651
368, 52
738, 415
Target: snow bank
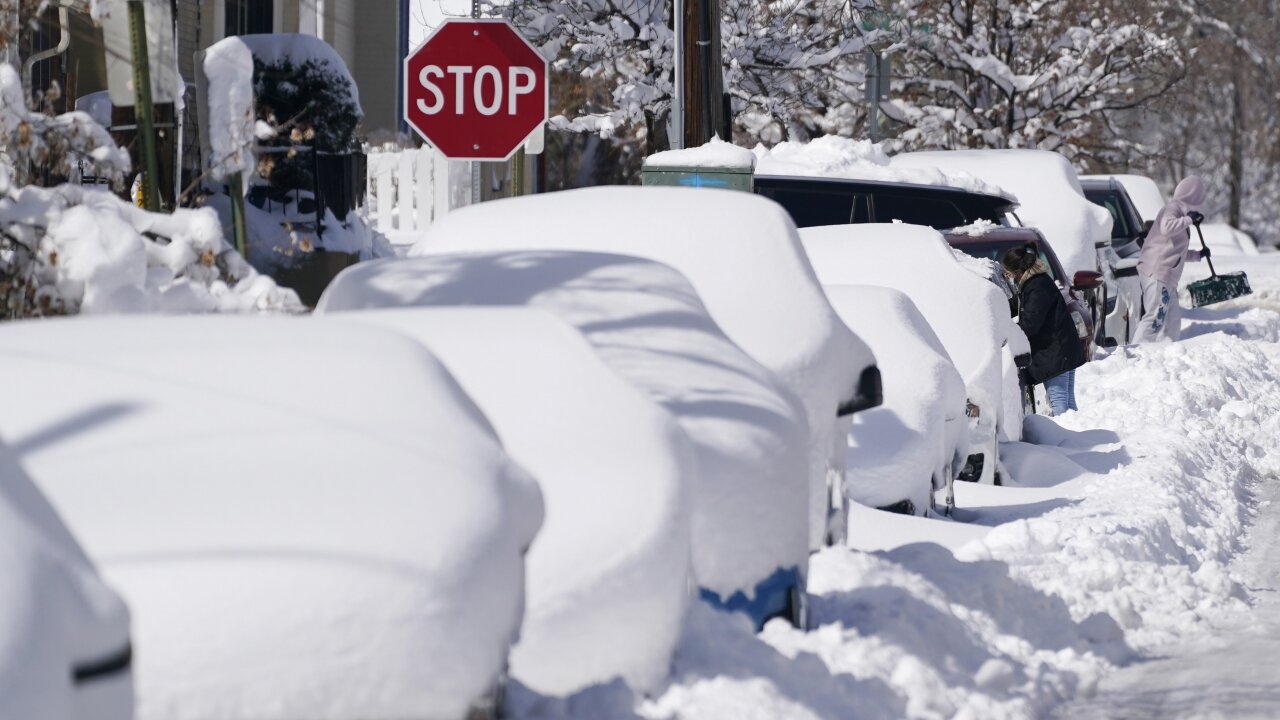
228, 64
609, 573
905, 448
1143, 191
646, 322
1049, 196
56, 614
969, 314
716, 153
832, 156
291, 542
99, 255
741, 254
1224, 240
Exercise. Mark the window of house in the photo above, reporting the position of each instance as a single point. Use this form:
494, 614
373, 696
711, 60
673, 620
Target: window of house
249, 17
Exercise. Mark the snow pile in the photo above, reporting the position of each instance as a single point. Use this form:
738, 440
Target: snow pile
228, 64
609, 573
1048, 192
832, 156
977, 229
717, 153
907, 447
291, 543
647, 323
95, 253
56, 614
40, 138
742, 255
1143, 191
969, 315
1224, 240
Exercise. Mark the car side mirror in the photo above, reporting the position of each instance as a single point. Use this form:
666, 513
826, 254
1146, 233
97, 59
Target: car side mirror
1086, 280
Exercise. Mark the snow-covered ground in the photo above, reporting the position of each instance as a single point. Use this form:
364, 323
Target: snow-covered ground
1114, 544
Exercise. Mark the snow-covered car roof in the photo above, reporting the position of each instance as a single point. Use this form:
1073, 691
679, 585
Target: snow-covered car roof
835, 157
1143, 191
306, 519
609, 572
741, 254
896, 449
968, 314
64, 635
647, 323
1049, 195
716, 153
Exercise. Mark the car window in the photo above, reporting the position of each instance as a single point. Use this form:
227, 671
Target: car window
818, 206
936, 213
996, 250
1119, 219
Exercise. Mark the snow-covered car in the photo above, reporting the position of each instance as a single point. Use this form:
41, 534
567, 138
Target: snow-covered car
646, 322
741, 254
1128, 230
1143, 191
64, 635
305, 519
968, 314
903, 451
608, 577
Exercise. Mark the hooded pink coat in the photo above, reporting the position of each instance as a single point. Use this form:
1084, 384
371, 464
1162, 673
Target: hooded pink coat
1166, 247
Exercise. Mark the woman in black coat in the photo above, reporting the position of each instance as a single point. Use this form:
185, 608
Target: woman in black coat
1056, 351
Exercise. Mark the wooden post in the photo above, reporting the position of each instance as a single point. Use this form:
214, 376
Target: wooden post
143, 107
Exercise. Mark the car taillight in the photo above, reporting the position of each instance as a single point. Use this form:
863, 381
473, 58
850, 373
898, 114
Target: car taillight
971, 410
1082, 330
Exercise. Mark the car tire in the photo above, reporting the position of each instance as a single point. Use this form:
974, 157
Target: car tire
798, 608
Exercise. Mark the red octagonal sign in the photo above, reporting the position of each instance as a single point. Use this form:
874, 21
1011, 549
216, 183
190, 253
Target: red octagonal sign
475, 89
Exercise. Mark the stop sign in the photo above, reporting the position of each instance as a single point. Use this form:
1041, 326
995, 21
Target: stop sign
475, 89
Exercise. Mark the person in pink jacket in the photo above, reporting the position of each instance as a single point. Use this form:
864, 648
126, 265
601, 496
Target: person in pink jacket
1164, 253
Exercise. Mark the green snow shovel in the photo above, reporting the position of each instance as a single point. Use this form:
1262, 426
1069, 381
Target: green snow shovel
1217, 288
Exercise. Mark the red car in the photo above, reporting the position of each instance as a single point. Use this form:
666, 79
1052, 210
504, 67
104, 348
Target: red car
994, 243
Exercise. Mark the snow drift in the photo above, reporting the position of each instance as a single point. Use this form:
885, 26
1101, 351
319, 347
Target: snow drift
291, 543
741, 254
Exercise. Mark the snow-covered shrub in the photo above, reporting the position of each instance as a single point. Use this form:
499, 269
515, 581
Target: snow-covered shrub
72, 249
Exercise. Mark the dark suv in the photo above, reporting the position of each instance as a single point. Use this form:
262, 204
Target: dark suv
1127, 225
813, 202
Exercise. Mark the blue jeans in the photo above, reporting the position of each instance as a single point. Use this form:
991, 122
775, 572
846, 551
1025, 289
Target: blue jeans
1061, 390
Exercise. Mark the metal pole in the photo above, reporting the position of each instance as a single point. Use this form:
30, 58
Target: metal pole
236, 188
142, 106
517, 173
476, 169
677, 67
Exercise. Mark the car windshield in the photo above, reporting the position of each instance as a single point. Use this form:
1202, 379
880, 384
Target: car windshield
1110, 199
995, 249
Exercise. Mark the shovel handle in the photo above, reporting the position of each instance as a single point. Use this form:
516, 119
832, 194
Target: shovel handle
1206, 247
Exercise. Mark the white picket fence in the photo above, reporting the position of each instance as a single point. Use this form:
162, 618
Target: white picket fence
409, 189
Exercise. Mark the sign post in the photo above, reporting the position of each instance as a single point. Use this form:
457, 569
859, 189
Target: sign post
476, 90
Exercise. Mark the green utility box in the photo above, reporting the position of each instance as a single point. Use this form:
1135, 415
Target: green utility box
710, 177
717, 164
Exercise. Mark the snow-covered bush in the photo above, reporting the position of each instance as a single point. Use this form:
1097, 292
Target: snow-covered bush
72, 249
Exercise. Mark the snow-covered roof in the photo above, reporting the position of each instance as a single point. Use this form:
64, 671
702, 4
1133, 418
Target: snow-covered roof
896, 449
716, 153
306, 519
740, 252
647, 323
1049, 195
56, 613
832, 156
969, 315
608, 574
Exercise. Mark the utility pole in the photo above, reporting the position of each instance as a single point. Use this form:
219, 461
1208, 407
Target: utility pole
703, 109
143, 106
677, 75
